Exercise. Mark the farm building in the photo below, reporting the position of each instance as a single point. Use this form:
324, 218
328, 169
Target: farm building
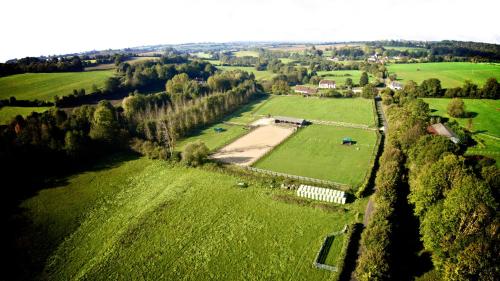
327, 84
289, 120
305, 90
441, 130
394, 85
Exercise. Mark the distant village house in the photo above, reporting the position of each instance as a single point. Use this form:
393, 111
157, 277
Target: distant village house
327, 84
394, 85
305, 90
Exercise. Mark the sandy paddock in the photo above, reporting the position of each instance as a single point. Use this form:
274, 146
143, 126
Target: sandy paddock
250, 147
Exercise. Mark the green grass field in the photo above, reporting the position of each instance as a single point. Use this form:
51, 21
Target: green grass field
44, 86
356, 110
259, 74
485, 123
333, 257
7, 113
340, 76
212, 139
316, 152
238, 120
140, 219
451, 74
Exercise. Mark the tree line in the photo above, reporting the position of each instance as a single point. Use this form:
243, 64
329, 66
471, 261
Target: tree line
455, 199
432, 88
35, 65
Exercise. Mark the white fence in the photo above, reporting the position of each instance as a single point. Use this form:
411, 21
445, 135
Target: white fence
306, 179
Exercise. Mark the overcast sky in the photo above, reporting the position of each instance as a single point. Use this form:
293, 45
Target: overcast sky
35, 27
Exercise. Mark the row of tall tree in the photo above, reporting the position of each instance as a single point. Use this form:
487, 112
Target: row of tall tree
32, 64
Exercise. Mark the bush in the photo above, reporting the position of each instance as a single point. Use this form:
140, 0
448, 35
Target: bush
456, 108
195, 153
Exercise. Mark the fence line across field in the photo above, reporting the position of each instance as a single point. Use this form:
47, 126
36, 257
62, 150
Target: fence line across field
297, 177
342, 124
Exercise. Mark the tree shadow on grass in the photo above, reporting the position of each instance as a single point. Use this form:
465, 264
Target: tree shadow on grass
26, 245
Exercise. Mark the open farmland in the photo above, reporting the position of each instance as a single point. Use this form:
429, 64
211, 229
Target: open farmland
355, 110
134, 218
316, 151
485, 125
451, 74
7, 113
44, 86
246, 54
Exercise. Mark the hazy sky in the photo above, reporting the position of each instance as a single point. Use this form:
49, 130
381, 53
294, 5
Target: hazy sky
35, 27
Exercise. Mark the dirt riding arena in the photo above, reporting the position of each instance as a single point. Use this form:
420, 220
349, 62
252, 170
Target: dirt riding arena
249, 148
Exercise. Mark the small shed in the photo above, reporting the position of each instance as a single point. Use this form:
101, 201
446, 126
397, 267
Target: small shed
347, 141
290, 120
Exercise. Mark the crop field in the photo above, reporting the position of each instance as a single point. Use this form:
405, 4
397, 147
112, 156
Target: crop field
316, 151
409, 49
485, 123
246, 54
44, 86
135, 219
355, 110
340, 76
7, 113
451, 74
259, 74
135, 60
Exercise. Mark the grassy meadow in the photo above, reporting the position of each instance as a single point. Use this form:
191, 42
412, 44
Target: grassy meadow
451, 74
340, 76
485, 123
135, 218
355, 110
7, 113
259, 74
44, 86
316, 151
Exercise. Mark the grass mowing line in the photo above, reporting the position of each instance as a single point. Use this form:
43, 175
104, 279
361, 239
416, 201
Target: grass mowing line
132, 208
265, 236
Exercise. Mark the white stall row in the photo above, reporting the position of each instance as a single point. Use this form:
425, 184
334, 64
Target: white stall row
323, 194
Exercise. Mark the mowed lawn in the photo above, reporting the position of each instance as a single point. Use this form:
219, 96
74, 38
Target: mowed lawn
349, 110
451, 74
44, 86
7, 113
485, 123
141, 219
316, 151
